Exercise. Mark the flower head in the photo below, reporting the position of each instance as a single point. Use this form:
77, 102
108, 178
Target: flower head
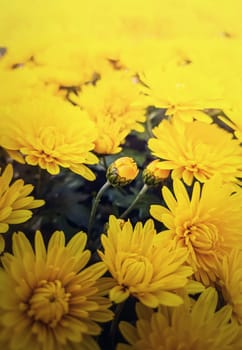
122, 171
208, 225
142, 264
49, 133
15, 202
192, 326
117, 98
230, 279
183, 92
154, 173
196, 150
49, 300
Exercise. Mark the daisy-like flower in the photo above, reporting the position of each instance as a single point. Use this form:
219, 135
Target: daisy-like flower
208, 225
192, 326
118, 109
196, 150
230, 279
117, 97
48, 299
142, 264
15, 202
183, 92
49, 133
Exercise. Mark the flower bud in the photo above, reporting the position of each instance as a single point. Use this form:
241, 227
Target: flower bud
153, 174
122, 171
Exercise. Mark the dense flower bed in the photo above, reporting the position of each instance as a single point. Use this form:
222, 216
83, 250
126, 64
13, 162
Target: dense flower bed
120, 175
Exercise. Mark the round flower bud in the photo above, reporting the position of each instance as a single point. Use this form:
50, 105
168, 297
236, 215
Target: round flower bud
122, 171
153, 174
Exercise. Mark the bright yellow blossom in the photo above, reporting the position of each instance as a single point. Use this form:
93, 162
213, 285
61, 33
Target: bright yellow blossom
142, 264
196, 150
182, 91
116, 96
196, 325
15, 202
49, 299
208, 225
118, 109
49, 133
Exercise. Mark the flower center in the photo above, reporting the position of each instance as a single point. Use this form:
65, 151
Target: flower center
49, 302
136, 269
199, 238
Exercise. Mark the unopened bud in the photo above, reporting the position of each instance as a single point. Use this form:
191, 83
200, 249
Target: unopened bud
153, 174
122, 171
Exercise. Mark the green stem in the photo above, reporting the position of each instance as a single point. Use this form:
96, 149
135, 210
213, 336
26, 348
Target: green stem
95, 205
115, 321
149, 126
140, 194
105, 163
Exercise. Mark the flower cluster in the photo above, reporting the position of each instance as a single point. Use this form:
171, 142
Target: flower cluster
127, 125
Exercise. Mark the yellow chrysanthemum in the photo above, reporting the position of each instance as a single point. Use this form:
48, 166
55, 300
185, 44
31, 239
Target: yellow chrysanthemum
182, 91
192, 326
208, 225
230, 279
15, 202
117, 98
48, 299
196, 150
142, 264
49, 133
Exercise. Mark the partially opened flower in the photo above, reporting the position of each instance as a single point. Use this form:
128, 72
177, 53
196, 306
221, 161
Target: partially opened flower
142, 264
196, 325
48, 299
230, 280
196, 150
15, 202
208, 225
49, 133
110, 136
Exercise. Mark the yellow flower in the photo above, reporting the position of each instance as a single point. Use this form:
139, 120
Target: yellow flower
110, 137
196, 325
208, 225
153, 174
142, 264
196, 150
117, 98
49, 133
230, 279
15, 202
122, 171
183, 91
49, 300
